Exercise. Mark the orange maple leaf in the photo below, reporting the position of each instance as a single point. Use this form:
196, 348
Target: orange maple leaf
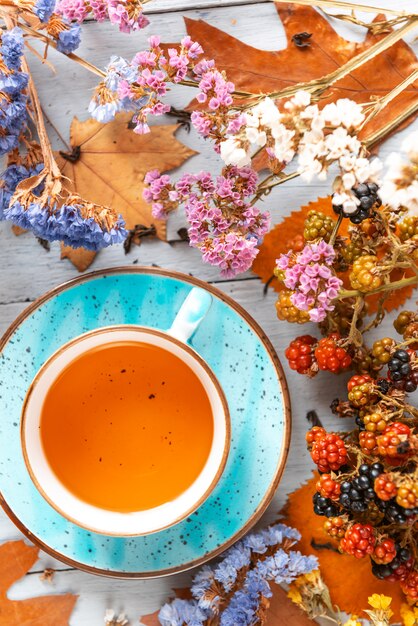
279, 239
260, 71
16, 558
349, 580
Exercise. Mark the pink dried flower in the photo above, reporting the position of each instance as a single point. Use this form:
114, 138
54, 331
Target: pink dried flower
73, 10
310, 276
127, 15
223, 225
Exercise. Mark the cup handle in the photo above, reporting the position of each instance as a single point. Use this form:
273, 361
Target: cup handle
191, 313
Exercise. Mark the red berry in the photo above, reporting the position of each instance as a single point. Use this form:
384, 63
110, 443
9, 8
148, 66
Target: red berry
384, 552
410, 587
401, 572
394, 444
300, 353
328, 487
359, 540
330, 356
385, 488
315, 433
358, 379
336, 526
329, 452
367, 441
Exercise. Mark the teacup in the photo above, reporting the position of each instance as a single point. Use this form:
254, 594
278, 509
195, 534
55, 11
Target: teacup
106, 467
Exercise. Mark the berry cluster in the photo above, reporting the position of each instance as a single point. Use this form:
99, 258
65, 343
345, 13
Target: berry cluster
400, 371
307, 355
368, 478
367, 198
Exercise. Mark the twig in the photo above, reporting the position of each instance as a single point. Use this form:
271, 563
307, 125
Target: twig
396, 284
338, 4
50, 42
384, 101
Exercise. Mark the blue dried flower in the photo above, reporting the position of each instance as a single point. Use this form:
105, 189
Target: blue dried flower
117, 69
246, 556
104, 112
65, 224
244, 604
11, 177
13, 113
180, 612
283, 567
12, 48
13, 84
236, 558
274, 535
7, 143
44, 9
69, 40
256, 543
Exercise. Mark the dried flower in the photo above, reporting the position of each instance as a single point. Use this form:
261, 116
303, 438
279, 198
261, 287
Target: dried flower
112, 619
224, 226
76, 223
127, 14
310, 276
400, 183
237, 589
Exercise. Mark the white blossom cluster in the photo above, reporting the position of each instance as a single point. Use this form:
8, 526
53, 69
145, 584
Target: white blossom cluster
319, 138
400, 182
112, 619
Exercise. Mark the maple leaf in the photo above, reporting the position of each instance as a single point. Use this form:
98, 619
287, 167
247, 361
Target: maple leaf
279, 240
107, 166
16, 559
342, 573
260, 71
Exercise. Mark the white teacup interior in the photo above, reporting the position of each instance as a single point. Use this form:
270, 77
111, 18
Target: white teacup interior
92, 517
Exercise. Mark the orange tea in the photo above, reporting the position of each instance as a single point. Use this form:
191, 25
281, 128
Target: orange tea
127, 426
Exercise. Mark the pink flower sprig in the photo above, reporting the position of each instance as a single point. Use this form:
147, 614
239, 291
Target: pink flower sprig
144, 82
127, 14
310, 276
140, 85
224, 225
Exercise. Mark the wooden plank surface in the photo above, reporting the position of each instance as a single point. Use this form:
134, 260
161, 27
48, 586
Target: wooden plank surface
26, 270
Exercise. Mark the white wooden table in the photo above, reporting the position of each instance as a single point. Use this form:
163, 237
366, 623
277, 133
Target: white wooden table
26, 270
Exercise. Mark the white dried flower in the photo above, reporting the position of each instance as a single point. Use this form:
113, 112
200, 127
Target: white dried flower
344, 112
400, 183
233, 154
410, 145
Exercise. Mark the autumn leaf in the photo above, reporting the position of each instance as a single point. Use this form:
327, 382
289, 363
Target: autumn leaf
107, 166
280, 239
283, 612
16, 559
341, 572
260, 71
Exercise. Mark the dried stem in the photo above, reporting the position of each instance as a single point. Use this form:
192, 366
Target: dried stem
50, 42
50, 165
396, 284
338, 4
384, 101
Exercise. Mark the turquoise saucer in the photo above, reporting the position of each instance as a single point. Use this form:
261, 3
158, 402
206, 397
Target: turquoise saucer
243, 361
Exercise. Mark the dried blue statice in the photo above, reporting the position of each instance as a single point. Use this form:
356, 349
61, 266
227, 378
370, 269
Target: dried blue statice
69, 39
75, 223
11, 177
237, 588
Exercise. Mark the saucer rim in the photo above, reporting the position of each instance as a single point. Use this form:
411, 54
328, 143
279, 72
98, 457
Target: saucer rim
255, 327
